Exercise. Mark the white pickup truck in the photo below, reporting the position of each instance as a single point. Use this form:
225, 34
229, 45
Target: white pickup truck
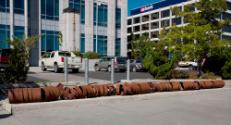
55, 60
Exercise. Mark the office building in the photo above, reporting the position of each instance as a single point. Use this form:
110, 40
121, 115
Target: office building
85, 25
151, 19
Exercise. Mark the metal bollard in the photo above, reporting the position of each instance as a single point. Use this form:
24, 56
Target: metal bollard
86, 62
112, 71
66, 69
128, 69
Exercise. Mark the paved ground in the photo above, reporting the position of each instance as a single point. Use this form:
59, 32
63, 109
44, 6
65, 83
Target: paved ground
205, 107
38, 76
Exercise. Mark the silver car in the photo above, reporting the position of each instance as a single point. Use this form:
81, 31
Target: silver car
136, 65
105, 64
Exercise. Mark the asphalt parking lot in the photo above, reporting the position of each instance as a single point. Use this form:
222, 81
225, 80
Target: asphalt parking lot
204, 107
37, 75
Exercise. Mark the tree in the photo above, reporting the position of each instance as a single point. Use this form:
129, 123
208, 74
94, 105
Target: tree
18, 59
140, 46
156, 57
198, 40
201, 36
60, 38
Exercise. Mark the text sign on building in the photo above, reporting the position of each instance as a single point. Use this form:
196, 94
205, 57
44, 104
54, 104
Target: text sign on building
157, 5
146, 8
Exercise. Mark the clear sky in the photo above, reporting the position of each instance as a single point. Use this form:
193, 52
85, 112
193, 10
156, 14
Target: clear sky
137, 3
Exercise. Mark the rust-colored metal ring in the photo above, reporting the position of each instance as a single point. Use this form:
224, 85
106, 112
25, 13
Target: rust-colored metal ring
25, 95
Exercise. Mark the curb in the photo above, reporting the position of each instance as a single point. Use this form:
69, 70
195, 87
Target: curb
6, 109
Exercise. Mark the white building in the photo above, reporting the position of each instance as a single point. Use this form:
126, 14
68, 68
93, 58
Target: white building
153, 18
86, 25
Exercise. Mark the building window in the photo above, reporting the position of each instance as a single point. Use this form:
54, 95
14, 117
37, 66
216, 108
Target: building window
174, 14
227, 28
155, 25
165, 23
155, 34
226, 15
145, 18
136, 20
129, 22
82, 12
117, 47
19, 6
4, 6
145, 26
165, 13
177, 21
129, 30
101, 44
4, 36
50, 9
136, 29
137, 36
189, 8
225, 37
82, 43
75, 4
118, 18
229, 5
155, 16
80, 6
49, 41
100, 14
18, 32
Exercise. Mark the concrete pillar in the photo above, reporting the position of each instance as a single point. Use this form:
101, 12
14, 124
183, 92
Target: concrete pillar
111, 28
124, 27
71, 31
89, 25
182, 19
170, 20
159, 21
62, 5
26, 18
11, 19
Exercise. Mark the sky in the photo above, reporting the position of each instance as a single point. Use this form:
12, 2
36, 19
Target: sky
137, 3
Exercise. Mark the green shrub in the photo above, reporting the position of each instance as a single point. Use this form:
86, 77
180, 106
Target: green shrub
91, 55
179, 74
18, 60
193, 75
78, 53
209, 75
176, 74
226, 70
45, 55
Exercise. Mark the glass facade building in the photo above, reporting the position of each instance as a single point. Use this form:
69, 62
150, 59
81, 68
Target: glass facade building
49, 13
11, 25
102, 24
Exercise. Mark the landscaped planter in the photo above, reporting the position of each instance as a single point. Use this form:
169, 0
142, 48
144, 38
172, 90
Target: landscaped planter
60, 92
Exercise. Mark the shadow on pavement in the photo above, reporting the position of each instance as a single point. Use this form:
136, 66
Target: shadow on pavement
4, 87
5, 116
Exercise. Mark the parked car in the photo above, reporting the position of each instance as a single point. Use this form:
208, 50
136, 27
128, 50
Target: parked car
4, 58
186, 66
136, 65
187, 63
55, 61
105, 64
